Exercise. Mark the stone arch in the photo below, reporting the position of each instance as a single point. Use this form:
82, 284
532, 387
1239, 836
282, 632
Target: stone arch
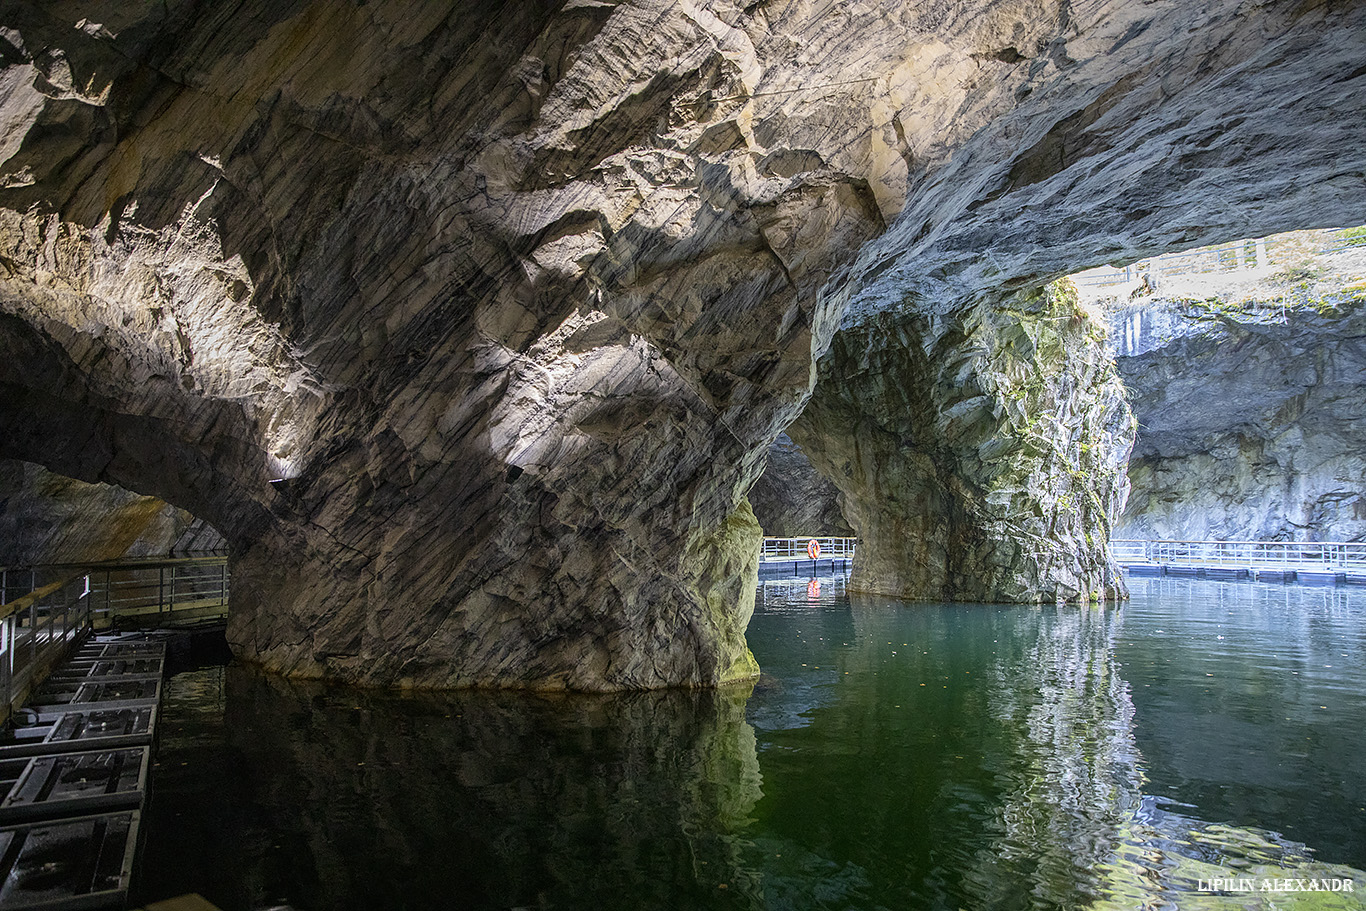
515, 299
958, 493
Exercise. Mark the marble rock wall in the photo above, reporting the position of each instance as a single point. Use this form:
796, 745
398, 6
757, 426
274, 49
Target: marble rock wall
469, 327
1254, 425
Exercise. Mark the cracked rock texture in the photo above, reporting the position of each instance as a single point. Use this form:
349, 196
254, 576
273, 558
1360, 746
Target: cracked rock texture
470, 328
47, 518
792, 499
1253, 422
979, 459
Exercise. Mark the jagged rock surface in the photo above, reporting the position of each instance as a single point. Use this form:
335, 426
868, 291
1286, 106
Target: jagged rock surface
980, 459
792, 499
46, 518
1253, 422
510, 300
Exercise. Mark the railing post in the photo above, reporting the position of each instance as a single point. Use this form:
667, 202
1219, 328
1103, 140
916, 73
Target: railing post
7, 645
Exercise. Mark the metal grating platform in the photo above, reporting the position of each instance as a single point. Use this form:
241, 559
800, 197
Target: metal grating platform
72, 784
77, 864
86, 730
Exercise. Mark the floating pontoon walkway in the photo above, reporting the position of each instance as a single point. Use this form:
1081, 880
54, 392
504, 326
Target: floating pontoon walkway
1306, 562
805, 557
73, 777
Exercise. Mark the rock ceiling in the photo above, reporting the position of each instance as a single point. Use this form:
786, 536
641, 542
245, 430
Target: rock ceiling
469, 327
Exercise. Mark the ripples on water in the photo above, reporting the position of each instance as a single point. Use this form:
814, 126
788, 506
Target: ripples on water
892, 756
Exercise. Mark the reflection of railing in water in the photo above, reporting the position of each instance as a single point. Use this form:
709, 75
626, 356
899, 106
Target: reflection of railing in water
1302, 555
796, 548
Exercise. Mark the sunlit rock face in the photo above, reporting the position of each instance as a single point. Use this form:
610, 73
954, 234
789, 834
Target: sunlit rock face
980, 458
507, 302
470, 328
1254, 423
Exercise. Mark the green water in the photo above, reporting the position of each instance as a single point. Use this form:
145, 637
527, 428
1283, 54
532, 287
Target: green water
893, 756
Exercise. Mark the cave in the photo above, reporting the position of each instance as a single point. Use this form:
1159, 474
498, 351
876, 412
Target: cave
472, 328
46, 519
1242, 365
470, 333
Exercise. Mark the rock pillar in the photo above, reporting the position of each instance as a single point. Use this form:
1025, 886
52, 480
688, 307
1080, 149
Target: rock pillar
980, 455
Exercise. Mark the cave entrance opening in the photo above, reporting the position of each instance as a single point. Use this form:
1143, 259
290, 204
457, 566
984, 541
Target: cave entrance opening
1241, 363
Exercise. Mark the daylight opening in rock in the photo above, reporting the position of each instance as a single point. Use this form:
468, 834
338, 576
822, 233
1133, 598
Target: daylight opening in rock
1244, 367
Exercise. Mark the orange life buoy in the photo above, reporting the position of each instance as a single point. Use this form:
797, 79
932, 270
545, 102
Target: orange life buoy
813, 548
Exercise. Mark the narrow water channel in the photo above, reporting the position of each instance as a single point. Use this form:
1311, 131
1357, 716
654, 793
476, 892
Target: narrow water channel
893, 756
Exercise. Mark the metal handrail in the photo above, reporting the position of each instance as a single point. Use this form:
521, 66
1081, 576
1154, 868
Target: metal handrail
1334, 555
33, 597
796, 548
121, 563
151, 591
41, 620
141, 590
1230, 257
37, 631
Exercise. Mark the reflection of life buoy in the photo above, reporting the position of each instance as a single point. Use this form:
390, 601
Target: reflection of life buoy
813, 589
813, 548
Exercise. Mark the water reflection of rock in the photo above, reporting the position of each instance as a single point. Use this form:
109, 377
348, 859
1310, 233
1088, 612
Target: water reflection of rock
1019, 724
1074, 828
1075, 778
494, 799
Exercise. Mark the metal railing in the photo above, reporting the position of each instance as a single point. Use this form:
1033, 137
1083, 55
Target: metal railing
17, 581
1232, 257
136, 592
37, 631
796, 548
1307, 555
160, 592
1239, 256
46, 610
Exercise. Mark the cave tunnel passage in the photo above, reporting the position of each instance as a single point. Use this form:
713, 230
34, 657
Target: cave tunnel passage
1239, 360
47, 518
523, 331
